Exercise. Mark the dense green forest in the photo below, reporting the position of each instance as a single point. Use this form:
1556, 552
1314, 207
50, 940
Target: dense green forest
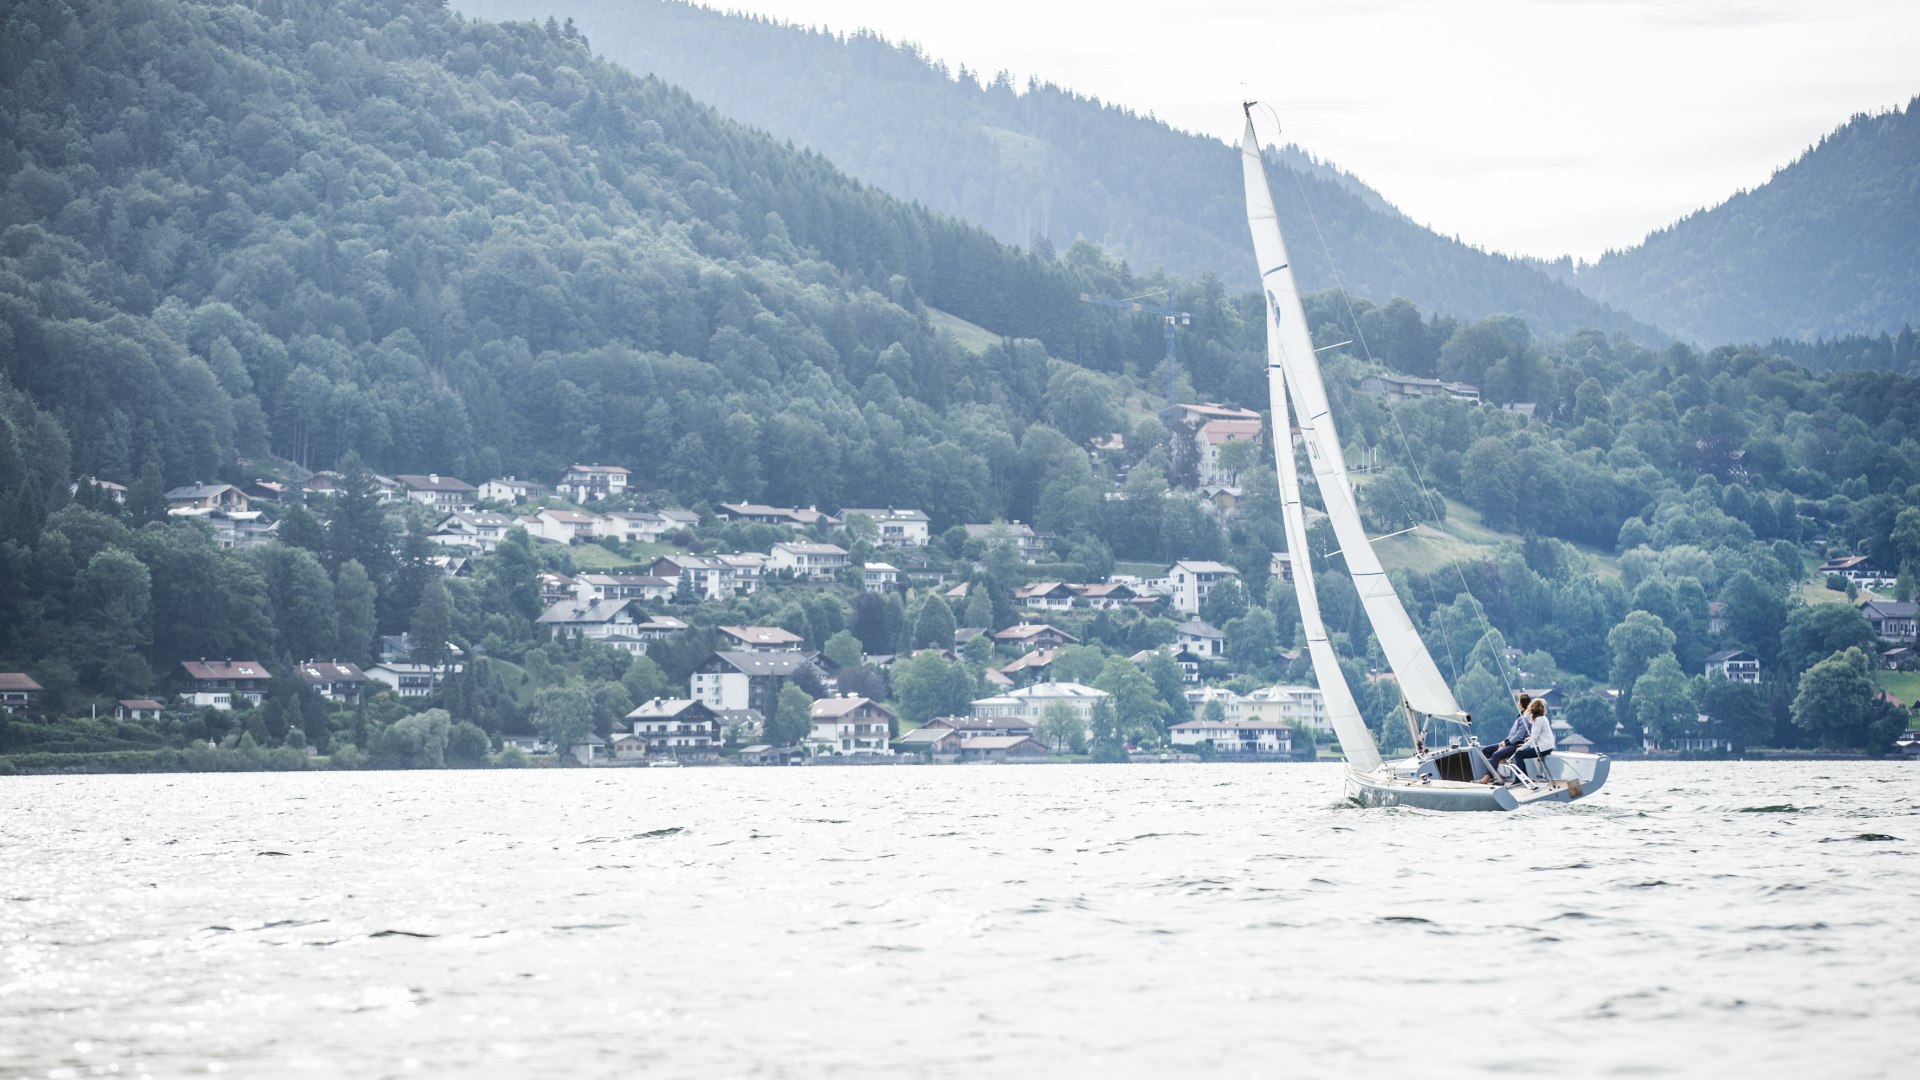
1829, 246
1041, 161
239, 241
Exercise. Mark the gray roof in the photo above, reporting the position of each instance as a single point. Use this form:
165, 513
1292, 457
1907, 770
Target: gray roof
779, 664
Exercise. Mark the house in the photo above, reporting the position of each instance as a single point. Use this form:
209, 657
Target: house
738, 725
1031, 667
332, 679
326, 485
761, 639
1045, 595
623, 623
258, 490
589, 483
1215, 436
400, 647
221, 684
1199, 414
807, 560
1031, 545
1899, 658
1029, 703
1701, 737
898, 528
18, 692
622, 587
1280, 565
972, 727
527, 744
587, 749
635, 526
746, 569
1027, 637
760, 754
793, 517
1190, 581
1738, 665
1110, 595
476, 530
1003, 748
137, 709
454, 566
561, 526
224, 497
1234, 736
410, 680
879, 577
676, 727
850, 725
1201, 639
934, 741
1297, 707
708, 577
749, 680
1398, 388
628, 745
1188, 662
511, 491
231, 528
1860, 570
444, 492
1892, 620
555, 587
113, 491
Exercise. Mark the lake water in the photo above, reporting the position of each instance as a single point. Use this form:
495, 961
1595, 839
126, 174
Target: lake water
1752, 920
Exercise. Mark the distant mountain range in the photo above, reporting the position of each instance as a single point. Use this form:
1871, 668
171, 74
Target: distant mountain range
1829, 246
1045, 162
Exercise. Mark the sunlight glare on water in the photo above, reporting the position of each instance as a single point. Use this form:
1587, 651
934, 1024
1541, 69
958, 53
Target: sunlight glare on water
955, 921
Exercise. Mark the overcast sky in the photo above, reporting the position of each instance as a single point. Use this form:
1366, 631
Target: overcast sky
1538, 127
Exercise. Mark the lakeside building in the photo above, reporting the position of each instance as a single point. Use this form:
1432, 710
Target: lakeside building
219, 684
1029, 703
672, 727
850, 725
332, 679
1235, 736
750, 680
18, 692
432, 489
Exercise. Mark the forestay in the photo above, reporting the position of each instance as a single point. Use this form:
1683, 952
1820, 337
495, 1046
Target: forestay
1290, 350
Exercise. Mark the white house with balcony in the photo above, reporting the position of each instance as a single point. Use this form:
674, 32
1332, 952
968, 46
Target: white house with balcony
1734, 665
807, 560
849, 725
1029, 703
1234, 736
897, 528
590, 483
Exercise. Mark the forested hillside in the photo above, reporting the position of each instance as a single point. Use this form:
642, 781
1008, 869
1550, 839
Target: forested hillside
1043, 161
1829, 246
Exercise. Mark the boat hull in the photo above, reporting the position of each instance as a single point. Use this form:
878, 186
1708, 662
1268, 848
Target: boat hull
1564, 778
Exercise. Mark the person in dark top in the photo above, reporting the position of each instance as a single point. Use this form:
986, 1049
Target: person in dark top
1504, 749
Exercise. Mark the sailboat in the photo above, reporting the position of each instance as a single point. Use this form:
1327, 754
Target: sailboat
1451, 774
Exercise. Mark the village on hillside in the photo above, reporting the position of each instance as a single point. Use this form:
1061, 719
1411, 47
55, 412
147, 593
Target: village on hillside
892, 642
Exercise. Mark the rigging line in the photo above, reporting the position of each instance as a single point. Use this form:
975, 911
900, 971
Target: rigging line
1353, 319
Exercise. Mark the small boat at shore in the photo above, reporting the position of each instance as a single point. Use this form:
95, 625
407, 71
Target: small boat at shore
1455, 776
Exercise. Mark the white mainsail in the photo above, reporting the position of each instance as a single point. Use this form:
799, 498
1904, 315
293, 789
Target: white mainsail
1290, 349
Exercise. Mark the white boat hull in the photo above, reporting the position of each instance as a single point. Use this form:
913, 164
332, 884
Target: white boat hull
1422, 782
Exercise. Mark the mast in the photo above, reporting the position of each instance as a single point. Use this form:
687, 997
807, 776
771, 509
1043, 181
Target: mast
1290, 347
1356, 742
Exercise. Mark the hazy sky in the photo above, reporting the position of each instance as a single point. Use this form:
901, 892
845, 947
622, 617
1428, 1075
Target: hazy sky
1539, 127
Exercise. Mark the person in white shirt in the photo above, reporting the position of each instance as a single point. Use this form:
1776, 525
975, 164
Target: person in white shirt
1539, 735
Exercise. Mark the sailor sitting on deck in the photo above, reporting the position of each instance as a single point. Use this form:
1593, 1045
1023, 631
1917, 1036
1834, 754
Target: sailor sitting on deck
1505, 748
1539, 742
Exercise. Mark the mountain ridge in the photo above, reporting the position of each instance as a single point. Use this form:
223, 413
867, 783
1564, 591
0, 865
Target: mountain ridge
1049, 162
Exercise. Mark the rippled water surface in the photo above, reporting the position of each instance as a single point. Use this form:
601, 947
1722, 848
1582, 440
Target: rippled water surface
1738, 919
